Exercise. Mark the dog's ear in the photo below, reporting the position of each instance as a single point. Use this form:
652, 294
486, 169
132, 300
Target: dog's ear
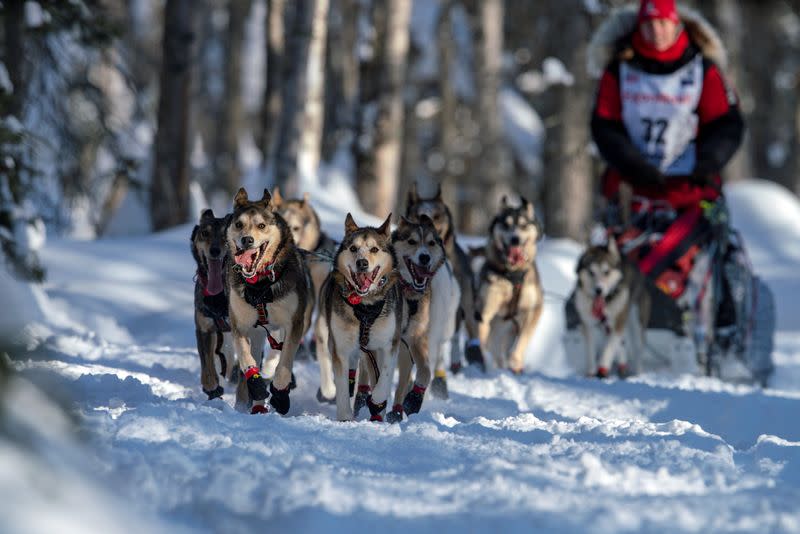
241, 198
386, 227
194, 233
277, 198
504, 204
438, 196
424, 220
404, 221
266, 198
413, 197
350, 225
306, 197
612, 247
207, 214
530, 211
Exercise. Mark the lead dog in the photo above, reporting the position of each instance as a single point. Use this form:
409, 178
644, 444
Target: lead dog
210, 300
609, 290
510, 298
270, 289
361, 314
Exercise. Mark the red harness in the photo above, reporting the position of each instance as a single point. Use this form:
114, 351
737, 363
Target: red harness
263, 315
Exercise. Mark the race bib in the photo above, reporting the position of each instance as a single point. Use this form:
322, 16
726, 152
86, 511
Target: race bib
660, 113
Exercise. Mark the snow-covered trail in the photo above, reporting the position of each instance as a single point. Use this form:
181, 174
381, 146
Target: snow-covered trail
549, 450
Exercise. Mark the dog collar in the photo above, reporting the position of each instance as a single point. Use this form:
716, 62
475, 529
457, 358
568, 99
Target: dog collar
353, 298
267, 272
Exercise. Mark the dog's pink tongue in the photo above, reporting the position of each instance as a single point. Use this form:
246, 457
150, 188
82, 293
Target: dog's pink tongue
515, 255
246, 258
214, 277
599, 307
364, 281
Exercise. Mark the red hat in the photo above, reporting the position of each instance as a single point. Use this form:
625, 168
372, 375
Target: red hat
658, 9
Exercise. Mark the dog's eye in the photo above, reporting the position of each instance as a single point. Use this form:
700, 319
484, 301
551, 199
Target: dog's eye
261, 226
437, 217
412, 241
239, 225
431, 243
374, 250
353, 248
295, 228
204, 234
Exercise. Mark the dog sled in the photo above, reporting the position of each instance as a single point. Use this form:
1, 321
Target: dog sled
709, 309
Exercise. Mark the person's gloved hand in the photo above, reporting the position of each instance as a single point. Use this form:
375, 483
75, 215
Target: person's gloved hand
703, 180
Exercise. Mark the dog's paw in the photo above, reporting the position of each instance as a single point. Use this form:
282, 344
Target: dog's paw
322, 399
279, 399
474, 356
361, 399
455, 367
375, 410
259, 408
439, 388
292, 382
256, 385
396, 415
623, 371
516, 371
214, 393
413, 401
602, 372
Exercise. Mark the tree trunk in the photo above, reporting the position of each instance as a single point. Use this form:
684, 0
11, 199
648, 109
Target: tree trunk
495, 164
370, 74
311, 136
169, 193
450, 171
379, 194
569, 188
729, 18
273, 89
294, 96
341, 99
14, 51
226, 159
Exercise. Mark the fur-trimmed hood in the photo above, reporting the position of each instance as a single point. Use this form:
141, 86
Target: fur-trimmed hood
622, 22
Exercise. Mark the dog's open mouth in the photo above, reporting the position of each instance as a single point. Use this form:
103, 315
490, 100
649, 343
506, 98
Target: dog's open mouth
515, 256
599, 307
362, 280
250, 258
214, 276
419, 275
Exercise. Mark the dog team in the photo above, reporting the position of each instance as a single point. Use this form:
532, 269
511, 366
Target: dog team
379, 300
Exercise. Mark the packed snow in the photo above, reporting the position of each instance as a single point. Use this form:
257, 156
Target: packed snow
111, 335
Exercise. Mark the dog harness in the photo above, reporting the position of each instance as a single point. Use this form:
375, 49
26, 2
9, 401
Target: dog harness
215, 307
517, 279
258, 293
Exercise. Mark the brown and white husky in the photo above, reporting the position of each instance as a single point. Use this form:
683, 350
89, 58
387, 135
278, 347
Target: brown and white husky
361, 315
270, 292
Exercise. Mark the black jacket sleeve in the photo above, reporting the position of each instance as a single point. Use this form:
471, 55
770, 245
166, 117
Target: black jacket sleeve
718, 141
618, 150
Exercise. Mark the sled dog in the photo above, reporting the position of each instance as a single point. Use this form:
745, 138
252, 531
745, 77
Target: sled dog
361, 317
442, 218
420, 255
510, 297
210, 300
611, 296
270, 291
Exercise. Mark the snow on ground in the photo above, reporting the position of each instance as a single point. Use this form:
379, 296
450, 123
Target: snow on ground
549, 451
